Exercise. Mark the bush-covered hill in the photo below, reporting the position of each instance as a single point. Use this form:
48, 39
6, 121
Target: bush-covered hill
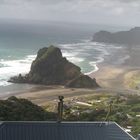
14, 109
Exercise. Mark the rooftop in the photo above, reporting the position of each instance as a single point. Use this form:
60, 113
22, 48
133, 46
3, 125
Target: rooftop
62, 131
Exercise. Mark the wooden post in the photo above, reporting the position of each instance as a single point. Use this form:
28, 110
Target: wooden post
60, 109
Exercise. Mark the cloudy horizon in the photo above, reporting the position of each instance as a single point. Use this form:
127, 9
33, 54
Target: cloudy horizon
116, 12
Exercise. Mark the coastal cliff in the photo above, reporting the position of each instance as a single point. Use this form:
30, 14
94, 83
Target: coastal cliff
131, 37
51, 68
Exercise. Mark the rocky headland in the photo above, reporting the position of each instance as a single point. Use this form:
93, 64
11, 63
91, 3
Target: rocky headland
51, 68
131, 37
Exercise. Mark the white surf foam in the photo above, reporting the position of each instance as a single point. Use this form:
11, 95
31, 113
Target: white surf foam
14, 67
89, 52
72, 57
95, 69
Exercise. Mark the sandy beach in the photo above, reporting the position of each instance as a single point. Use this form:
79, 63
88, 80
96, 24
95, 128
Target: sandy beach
114, 76
114, 79
111, 79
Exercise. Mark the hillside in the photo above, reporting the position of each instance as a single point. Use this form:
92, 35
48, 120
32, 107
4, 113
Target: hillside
14, 109
131, 37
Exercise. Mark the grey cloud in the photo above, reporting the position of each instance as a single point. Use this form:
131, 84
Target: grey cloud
126, 1
66, 1
93, 11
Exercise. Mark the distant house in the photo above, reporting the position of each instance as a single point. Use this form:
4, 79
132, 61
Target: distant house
62, 131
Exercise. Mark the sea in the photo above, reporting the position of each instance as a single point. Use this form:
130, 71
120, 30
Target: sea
19, 44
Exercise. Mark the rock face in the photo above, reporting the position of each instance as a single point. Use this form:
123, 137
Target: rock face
131, 37
51, 68
82, 81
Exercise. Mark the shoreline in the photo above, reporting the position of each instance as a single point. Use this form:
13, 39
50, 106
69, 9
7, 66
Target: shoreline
110, 78
113, 76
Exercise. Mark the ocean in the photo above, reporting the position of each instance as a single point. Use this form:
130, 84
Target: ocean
18, 48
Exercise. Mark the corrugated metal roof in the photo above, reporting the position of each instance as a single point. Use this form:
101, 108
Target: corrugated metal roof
62, 131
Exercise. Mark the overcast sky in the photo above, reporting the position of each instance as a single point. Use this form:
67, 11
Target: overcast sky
112, 12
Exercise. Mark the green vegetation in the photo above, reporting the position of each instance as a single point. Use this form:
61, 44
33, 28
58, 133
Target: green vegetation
135, 82
45, 53
123, 109
14, 109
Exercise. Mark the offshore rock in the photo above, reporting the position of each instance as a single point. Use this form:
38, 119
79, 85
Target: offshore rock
51, 68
